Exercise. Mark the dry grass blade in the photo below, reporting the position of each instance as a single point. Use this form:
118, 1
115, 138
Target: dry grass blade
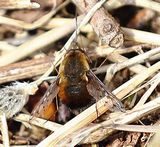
95, 132
37, 121
18, 4
104, 51
4, 131
137, 68
149, 91
129, 86
136, 35
141, 36
35, 44
135, 60
114, 56
4, 46
24, 69
150, 82
34, 25
90, 114
104, 127
134, 128
89, 134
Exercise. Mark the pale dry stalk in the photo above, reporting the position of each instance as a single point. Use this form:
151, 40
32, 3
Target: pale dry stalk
18, 4
4, 131
146, 95
128, 63
38, 23
95, 132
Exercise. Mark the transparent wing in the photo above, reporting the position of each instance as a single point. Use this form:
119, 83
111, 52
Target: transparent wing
47, 99
95, 86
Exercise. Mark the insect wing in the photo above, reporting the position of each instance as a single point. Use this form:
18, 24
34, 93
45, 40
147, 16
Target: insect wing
94, 89
47, 99
99, 86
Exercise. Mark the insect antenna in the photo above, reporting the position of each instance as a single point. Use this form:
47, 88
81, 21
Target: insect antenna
102, 63
75, 41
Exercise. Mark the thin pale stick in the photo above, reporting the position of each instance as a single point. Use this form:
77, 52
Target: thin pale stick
30, 26
4, 130
18, 4
148, 92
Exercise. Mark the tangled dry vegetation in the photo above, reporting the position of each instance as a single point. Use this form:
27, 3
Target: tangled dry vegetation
121, 38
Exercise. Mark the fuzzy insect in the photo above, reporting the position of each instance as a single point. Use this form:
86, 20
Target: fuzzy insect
76, 86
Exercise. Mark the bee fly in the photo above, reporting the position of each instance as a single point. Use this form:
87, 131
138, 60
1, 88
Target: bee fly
75, 87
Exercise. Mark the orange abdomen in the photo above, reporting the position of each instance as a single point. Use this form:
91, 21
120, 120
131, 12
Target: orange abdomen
50, 114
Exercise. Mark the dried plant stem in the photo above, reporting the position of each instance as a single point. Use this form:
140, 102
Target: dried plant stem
141, 36
56, 22
18, 4
96, 134
131, 34
150, 4
93, 133
37, 121
113, 4
150, 82
117, 58
24, 69
36, 44
104, 51
4, 130
114, 56
133, 128
129, 86
149, 91
4, 46
90, 114
138, 68
136, 35
95, 130
105, 26
34, 25
135, 60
